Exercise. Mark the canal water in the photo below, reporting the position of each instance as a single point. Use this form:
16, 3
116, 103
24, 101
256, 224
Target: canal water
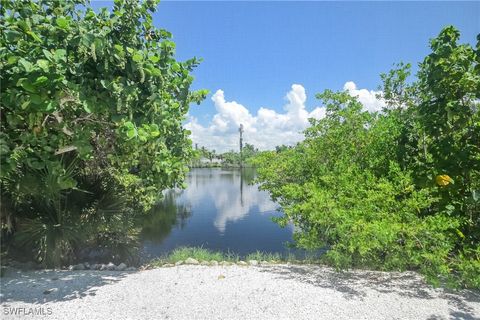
220, 210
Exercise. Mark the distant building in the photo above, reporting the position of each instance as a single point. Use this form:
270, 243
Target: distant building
206, 160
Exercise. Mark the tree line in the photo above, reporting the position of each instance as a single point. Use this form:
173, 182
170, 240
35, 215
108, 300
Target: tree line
204, 157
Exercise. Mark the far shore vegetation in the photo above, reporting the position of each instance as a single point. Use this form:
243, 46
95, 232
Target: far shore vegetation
205, 158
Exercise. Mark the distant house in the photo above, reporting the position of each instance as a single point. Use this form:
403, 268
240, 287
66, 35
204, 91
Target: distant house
206, 160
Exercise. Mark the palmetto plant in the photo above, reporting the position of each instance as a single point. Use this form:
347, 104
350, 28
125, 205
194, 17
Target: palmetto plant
53, 242
46, 224
56, 214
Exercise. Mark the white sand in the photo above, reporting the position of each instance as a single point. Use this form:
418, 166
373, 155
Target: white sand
231, 292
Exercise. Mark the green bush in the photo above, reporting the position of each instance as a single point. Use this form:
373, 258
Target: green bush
394, 190
101, 87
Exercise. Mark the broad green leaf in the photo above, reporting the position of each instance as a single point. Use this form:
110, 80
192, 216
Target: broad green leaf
35, 164
40, 80
154, 59
137, 57
36, 99
60, 54
51, 105
12, 35
34, 36
24, 25
175, 67
27, 66
44, 64
63, 22
28, 86
156, 72
25, 104
12, 59
66, 183
131, 133
86, 107
48, 54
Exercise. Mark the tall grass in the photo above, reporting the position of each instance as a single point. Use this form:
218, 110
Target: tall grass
202, 254
264, 256
182, 253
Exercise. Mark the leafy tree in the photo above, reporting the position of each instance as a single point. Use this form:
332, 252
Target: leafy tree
231, 158
398, 189
248, 151
103, 88
281, 148
449, 89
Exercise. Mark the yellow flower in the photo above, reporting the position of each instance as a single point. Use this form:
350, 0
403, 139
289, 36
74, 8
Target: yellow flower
443, 180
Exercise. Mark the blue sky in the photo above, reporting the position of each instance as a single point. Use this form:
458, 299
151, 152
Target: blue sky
255, 51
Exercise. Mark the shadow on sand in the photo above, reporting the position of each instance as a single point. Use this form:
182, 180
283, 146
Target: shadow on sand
43, 286
354, 284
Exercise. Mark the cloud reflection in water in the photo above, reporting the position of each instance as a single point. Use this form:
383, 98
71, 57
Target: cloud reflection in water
233, 195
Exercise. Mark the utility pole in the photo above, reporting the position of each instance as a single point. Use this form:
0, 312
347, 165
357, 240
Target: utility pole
240, 130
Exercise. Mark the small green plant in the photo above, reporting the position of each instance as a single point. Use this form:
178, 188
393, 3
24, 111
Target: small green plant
202, 254
182, 253
263, 256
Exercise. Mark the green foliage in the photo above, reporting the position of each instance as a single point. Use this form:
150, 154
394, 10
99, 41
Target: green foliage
163, 217
232, 158
55, 213
449, 87
47, 226
200, 155
228, 159
202, 254
103, 88
182, 253
263, 256
394, 190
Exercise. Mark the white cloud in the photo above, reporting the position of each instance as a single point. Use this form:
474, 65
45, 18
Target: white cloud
267, 128
367, 97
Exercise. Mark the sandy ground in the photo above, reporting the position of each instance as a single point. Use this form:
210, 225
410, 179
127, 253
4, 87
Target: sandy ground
230, 292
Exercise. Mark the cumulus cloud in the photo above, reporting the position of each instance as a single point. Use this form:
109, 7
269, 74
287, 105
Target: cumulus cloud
367, 97
267, 128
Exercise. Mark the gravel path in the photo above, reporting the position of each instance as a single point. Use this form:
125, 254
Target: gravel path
230, 292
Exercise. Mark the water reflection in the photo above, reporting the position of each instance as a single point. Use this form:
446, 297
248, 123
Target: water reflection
158, 223
220, 210
232, 193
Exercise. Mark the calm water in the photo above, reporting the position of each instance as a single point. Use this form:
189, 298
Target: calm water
220, 210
